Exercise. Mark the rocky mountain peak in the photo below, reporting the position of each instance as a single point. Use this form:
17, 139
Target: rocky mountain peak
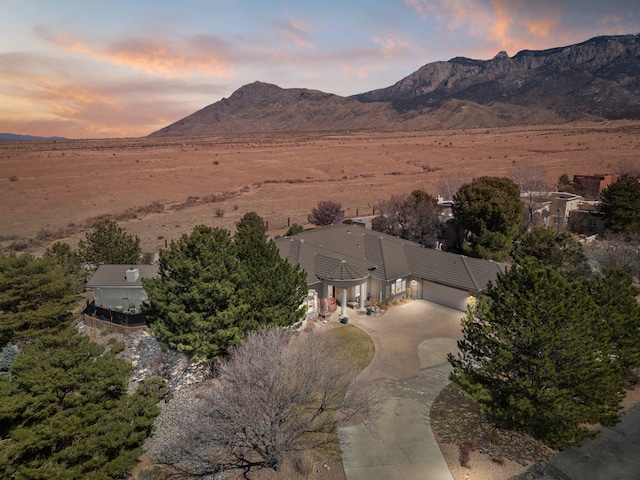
598, 78
501, 55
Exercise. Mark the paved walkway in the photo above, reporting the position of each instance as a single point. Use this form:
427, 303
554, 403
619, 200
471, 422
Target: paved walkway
410, 366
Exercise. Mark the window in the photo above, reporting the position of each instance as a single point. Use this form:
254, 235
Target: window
399, 286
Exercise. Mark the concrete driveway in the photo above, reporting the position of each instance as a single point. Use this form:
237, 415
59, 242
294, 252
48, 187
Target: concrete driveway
411, 368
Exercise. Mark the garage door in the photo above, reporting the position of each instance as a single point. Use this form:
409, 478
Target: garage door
447, 296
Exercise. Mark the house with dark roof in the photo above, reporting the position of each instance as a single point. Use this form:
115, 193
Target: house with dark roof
119, 287
119, 294
354, 264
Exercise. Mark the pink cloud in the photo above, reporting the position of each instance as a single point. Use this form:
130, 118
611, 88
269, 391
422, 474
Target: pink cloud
392, 45
182, 58
297, 30
515, 25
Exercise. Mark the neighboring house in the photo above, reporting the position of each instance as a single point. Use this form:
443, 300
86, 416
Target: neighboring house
365, 221
561, 204
354, 264
591, 186
587, 219
118, 293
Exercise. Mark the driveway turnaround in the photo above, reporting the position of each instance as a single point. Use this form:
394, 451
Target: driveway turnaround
410, 367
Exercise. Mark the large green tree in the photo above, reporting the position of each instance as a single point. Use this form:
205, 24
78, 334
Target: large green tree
68, 258
194, 305
65, 413
558, 250
213, 289
535, 355
252, 220
414, 217
270, 285
620, 204
36, 295
490, 210
108, 243
616, 296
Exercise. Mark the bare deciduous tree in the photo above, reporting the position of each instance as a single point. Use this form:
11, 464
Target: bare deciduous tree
277, 394
451, 182
327, 212
616, 251
534, 186
630, 167
413, 216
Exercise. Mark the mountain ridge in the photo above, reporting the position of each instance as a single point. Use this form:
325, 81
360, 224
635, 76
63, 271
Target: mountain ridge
16, 137
595, 79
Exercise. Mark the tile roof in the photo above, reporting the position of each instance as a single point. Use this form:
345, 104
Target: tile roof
115, 275
320, 251
331, 268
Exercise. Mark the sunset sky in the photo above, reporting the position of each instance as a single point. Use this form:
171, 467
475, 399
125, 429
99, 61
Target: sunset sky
114, 68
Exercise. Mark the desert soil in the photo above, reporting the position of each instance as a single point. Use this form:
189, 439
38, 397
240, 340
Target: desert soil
159, 189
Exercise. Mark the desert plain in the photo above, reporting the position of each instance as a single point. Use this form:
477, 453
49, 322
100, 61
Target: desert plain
160, 188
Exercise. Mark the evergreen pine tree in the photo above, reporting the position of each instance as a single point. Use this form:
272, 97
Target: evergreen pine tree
36, 295
68, 258
213, 289
535, 355
108, 243
614, 293
65, 413
252, 220
195, 305
558, 251
270, 285
620, 204
491, 211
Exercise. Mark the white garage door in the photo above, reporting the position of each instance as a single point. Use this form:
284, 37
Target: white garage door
447, 296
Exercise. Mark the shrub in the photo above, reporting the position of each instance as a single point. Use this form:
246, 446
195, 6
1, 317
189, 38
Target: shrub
7, 355
465, 449
294, 230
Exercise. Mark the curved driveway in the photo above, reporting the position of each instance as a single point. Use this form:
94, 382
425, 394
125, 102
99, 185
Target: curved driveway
410, 366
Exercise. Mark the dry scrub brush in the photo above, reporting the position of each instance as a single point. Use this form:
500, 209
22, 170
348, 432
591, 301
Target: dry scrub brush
278, 394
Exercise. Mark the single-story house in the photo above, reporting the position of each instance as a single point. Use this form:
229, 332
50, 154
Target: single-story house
354, 264
119, 287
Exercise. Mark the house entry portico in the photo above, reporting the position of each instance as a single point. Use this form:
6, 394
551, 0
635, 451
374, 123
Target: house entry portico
341, 275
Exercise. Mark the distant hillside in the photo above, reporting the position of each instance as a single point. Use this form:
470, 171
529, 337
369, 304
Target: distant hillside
10, 137
262, 107
596, 79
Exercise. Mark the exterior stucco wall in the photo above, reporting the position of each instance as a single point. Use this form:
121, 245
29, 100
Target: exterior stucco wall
118, 296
